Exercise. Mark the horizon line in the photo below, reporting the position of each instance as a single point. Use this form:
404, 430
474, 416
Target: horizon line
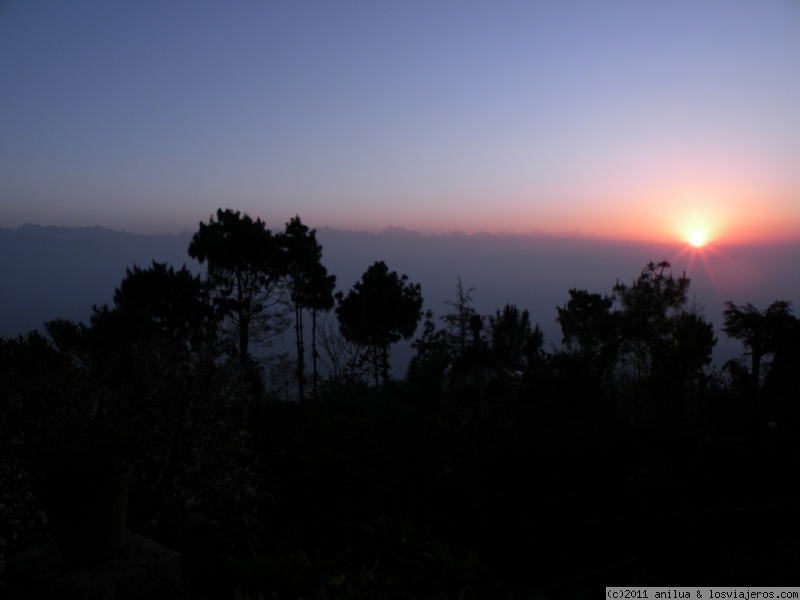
398, 230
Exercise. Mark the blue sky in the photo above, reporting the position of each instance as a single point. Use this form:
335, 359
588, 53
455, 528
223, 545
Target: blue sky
625, 119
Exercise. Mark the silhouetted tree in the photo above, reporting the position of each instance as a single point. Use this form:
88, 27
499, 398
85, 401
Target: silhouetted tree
760, 332
781, 387
155, 363
514, 342
690, 347
433, 352
244, 272
378, 311
343, 360
160, 320
319, 299
458, 321
173, 303
647, 307
587, 325
589, 337
663, 347
438, 348
309, 284
43, 379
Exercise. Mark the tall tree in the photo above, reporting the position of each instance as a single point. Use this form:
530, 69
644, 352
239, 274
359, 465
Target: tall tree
458, 321
378, 311
244, 272
646, 317
760, 332
437, 348
319, 299
642, 341
781, 387
309, 284
663, 347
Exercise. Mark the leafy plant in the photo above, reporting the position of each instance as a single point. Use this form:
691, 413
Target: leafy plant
275, 575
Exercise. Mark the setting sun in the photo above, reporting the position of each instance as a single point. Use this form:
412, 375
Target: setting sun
697, 238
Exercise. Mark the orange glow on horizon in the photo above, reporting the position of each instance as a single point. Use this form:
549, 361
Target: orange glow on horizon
724, 217
705, 215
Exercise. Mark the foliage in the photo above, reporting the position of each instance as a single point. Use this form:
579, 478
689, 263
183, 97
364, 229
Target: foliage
457, 322
587, 324
174, 303
590, 342
133, 386
656, 332
40, 390
646, 308
433, 353
69, 428
397, 492
641, 349
387, 560
437, 349
759, 331
244, 273
771, 331
781, 387
309, 284
378, 311
514, 342
344, 361
82, 450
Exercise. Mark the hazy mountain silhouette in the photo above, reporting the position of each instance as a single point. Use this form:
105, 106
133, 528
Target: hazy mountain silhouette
51, 272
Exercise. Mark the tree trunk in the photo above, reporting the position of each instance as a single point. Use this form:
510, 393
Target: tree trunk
244, 318
314, 354
754, 389
385, 363
376, 369
298, 328
244, 335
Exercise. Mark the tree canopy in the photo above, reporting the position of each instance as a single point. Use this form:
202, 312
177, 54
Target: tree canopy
378, 311
309, 284
514, 341
173, 302
762, 333
655, 330
245, 267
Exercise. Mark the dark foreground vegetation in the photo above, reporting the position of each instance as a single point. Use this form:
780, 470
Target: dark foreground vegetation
494, 469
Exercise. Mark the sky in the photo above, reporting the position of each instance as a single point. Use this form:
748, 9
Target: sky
621, 119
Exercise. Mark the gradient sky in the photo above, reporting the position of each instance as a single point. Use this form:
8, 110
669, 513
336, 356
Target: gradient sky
624, 119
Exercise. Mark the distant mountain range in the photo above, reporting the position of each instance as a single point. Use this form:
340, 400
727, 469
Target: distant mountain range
52, 272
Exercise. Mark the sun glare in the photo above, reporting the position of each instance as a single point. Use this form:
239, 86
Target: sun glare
697, 238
